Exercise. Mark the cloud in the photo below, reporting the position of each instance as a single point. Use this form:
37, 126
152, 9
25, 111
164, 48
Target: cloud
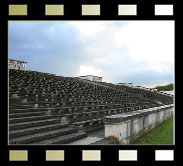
46, 46
141, 52
89, 70
151, 41
143, 41
143, 48
89, 28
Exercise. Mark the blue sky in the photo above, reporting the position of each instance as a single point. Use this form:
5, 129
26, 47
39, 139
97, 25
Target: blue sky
141, 52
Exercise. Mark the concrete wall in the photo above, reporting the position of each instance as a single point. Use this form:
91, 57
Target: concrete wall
127, 127
97, 79
17, 65
126, 84
91, 78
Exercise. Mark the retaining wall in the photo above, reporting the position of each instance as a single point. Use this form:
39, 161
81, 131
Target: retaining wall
127, 127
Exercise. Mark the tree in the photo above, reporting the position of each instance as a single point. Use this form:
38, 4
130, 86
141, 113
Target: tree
167, 87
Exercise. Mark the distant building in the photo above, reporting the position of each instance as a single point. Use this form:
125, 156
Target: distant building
139, 87
17, 65
91, 78
167, 92
126, 84
145, 88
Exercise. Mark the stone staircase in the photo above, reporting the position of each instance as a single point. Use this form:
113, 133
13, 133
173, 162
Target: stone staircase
29, 125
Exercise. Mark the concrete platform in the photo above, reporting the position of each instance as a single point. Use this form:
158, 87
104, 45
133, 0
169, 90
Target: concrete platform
85, 141
93, 137
98, 133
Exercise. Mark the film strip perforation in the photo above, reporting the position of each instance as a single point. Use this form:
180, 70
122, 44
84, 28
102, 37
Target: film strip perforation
92, 155
123, 9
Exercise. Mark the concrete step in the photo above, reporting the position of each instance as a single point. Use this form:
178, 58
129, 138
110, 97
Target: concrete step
62, 139
33, 130
24, 125
23, 110
28, 114
28, 139
28, 119
19, 105
13, 100
85, 141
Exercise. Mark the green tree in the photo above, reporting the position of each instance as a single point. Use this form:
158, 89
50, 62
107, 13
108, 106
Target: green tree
167, 87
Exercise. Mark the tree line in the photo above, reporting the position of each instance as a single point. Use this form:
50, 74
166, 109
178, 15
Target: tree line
167, 87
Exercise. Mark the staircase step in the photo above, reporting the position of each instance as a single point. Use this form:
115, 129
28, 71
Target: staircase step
62, 139
33, 130
32, 124
28, 119
27, 114
41, 136
22, 110
19, 105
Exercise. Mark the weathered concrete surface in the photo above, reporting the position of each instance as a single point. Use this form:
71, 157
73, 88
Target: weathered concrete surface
127, 127
85, 141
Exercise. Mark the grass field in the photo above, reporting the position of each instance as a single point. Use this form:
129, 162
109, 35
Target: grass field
162, 134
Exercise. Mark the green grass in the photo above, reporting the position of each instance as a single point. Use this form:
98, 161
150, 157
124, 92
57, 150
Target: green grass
162, 134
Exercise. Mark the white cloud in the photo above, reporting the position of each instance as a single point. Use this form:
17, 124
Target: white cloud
89, 70
89, 28
141, 52
150, 42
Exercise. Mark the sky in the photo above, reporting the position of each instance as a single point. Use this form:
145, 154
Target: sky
139, 52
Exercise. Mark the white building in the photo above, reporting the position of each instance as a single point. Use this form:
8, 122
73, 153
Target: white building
147, 89
169, 92
91, 78
144, 88
17, 65
126, 84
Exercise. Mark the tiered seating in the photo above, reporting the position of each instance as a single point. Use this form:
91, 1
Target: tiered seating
31, 125
142, 93
46, 99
